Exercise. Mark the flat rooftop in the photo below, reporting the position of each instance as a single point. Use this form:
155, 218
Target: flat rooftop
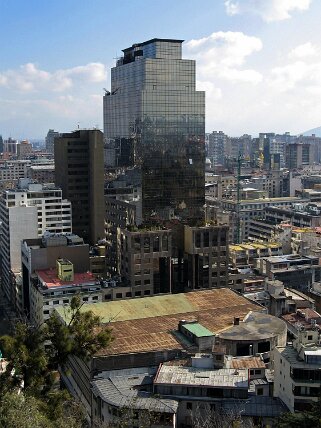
291, 355
49, 278
289, 258
149, 324
192, 376
298, 321
121, 388
255, 246
256, 326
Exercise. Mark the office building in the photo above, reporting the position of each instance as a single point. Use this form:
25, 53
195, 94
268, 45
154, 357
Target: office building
27, 212
24, 149
10, 146
299, 155
17, 222
154, 107
79, 171
217, 147
12, 170
245, 211
50, 140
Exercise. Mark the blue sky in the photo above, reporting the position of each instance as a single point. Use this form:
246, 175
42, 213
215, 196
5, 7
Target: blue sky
258, 60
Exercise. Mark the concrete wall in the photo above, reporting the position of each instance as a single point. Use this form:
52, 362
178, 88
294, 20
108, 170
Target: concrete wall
44, 258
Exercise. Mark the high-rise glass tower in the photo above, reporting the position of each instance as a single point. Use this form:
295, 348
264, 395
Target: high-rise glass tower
155, 120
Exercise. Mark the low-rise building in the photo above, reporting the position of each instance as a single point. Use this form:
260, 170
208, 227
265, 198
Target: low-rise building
247, 210
41, 255
297, 375
55, 287
244, 254
302, 319
42, 173
299, 215
247, 338
280, 300
127, 396
146, 332
295, 271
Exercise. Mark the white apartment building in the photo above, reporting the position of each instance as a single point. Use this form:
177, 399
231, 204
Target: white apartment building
25, 213
297, 374
53, 212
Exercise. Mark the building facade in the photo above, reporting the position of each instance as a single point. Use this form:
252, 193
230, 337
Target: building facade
27, 212
79, 171
50, 140
154, 106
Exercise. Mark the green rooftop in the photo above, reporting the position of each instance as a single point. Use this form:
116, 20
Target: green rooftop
198, 330
130, 309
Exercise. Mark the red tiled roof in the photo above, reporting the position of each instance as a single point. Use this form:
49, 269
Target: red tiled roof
50, 279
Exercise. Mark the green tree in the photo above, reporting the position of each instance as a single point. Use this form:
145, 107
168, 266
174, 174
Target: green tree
307, 419
26, 356
34, 355
83, 336
26, 411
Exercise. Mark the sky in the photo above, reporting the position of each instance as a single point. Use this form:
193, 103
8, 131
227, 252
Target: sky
259, 61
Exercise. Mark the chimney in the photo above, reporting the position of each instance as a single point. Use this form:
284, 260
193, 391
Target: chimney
236, 321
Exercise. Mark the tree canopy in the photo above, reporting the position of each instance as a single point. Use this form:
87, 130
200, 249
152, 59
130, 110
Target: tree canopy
35, 353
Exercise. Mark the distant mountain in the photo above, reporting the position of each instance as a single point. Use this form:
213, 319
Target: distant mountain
316, 131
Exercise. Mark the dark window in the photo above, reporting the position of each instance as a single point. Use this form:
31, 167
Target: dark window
189, 406
263, 347
146, 245
206, 238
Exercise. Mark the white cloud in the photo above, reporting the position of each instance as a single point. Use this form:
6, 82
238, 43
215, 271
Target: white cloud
304, 50
29, 78
286, 77
34, 100
211, 90
268, 10
222, 55
278, 95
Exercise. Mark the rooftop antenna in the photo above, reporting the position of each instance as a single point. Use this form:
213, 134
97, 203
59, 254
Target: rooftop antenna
78, 123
